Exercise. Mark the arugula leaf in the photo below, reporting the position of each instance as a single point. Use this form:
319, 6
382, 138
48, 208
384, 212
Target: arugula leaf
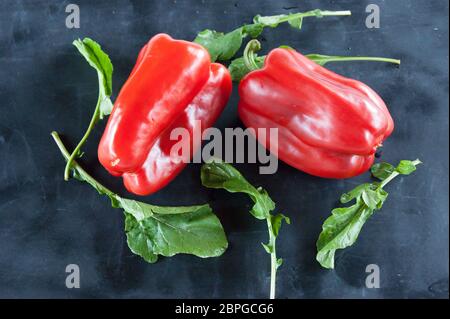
238, 69
224, 46
382, 170
218, 174
221, 46
100, 61
190, 230
342, 228
156, 230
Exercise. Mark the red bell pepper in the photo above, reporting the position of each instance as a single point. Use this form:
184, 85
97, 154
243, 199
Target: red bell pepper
173, 84
328, 125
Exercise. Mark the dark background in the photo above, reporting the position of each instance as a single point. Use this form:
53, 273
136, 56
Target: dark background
46, 223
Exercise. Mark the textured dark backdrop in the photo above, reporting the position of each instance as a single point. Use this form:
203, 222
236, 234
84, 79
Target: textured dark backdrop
46, 223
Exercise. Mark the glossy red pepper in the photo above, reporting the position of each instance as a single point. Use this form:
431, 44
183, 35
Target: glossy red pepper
173, 85
328, 125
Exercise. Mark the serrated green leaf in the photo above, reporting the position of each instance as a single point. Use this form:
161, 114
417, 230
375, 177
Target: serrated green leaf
100, 61
370, 198
269, 21
218, 174
279, 262
382, 170
220, 46
268, 248
406, 167
382, 196
296, 23
195, 231
342, 228
276, 221
354, 193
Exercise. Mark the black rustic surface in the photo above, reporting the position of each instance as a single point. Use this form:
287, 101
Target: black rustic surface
46, 223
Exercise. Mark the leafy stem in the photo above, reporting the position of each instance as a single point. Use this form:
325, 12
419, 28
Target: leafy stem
224, 46
342, 228
398, 172
76, 167
100, 61
218, 174
160, 230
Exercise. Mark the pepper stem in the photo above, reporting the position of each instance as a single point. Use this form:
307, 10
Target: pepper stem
250, 55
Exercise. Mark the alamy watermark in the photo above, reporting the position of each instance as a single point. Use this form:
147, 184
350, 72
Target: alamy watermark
373, 279
73, 277
73, 19
373, 19
236, 146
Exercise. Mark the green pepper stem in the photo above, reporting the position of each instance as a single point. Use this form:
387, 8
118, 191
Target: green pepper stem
249, 54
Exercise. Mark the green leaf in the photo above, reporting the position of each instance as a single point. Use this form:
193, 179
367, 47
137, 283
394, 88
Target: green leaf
100, 61
382, 170
268, 248
371, 198
158, 230
279, 262
382, 195
354, 193
269, 21
252, 30
196, 231
296, 23
263, 204
220, 46
342, 228
218, 174
276, 221
406, 167
138, 241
